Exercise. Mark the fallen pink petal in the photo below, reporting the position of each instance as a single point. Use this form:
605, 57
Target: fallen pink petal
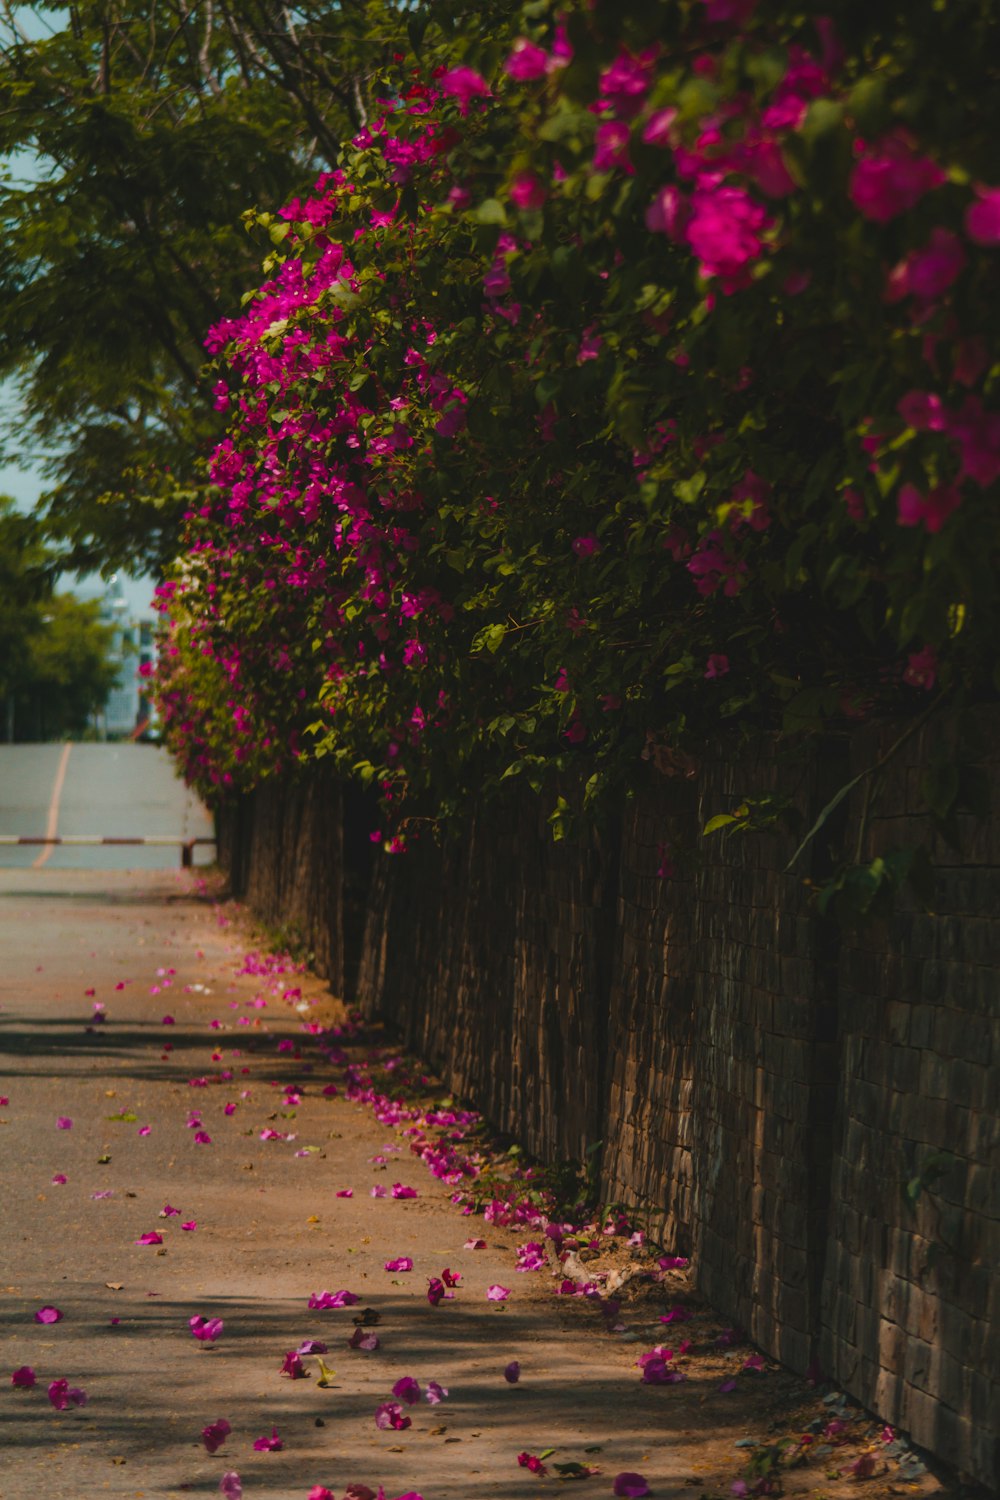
62, 1395
727, 1386
390, 1416
364, 1339
474, 1245
60, 1179
346, 1193
435, 1392
407, 1389
293, 1367
399, 1191
630, 1485
272, 1444
215, 1434
401, 1263
497, 1293
324, 1300
206, 1330
202, 1138
512, 1372
63, 1122
533, 1462
313, 1346
190, 1225
23, 1379
48, 1315
231, 1486
167, 1212
150, 1238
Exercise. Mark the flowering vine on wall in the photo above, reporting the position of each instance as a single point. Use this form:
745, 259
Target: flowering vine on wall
633, 376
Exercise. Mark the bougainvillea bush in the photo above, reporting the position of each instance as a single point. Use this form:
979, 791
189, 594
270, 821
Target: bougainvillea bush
631, 378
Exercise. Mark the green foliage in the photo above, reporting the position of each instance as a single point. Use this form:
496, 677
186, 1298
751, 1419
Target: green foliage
134, 140
55, 661
570, 431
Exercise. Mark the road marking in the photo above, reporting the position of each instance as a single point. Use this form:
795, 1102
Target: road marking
52, 824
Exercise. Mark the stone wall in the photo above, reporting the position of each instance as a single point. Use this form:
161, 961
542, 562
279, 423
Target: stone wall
763, 1083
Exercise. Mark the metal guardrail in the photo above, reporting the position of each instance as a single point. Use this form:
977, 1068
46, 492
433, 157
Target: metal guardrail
163, 840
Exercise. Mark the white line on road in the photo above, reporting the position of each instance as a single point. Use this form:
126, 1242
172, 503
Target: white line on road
52, 824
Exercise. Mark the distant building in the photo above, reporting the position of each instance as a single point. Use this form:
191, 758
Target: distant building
128, 709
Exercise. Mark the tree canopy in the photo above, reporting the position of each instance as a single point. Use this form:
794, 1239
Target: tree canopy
135, 138
56, 659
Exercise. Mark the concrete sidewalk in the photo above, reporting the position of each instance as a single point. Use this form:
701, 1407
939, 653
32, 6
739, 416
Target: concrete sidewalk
220, 1114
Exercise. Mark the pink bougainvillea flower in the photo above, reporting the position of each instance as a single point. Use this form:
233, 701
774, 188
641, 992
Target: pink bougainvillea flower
464, 84
272, 1444
401, 1263
863, 1467
921, 669
215, 1434
145, 1130
190, 1225
168, 1021
927, 274
292, 1366
62, 1394
435, 1290
324, 1300
345, 1193
451, 1278
399, 1191
231, 1485
527, 61
23, 1379
202, 1138
363, 1339
527, 192
435, 1392
716, 666
586, 546
407, 1389
390, 1416
319, 1492
169, 1212
931, 510
378, 1191
982, 219
497, 1293
890, 177
64, 1122
727, 1386
205, 1330
673, 1262
724, 232
150, 1238
677, 1314
48, 1314
755, 1363
631, 1485
474, 1245
60, 1179
512, 1372
533, 1462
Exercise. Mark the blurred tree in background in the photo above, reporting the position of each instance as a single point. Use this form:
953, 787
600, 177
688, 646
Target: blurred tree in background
56, 661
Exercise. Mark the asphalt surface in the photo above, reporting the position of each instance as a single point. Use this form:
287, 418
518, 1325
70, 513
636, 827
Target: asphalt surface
271, 1230
106, 790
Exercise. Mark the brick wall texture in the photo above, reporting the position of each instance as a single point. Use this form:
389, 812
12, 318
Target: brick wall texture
763, 1083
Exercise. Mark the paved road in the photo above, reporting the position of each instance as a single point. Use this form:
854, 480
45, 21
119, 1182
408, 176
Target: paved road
97, 1137
107, 790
